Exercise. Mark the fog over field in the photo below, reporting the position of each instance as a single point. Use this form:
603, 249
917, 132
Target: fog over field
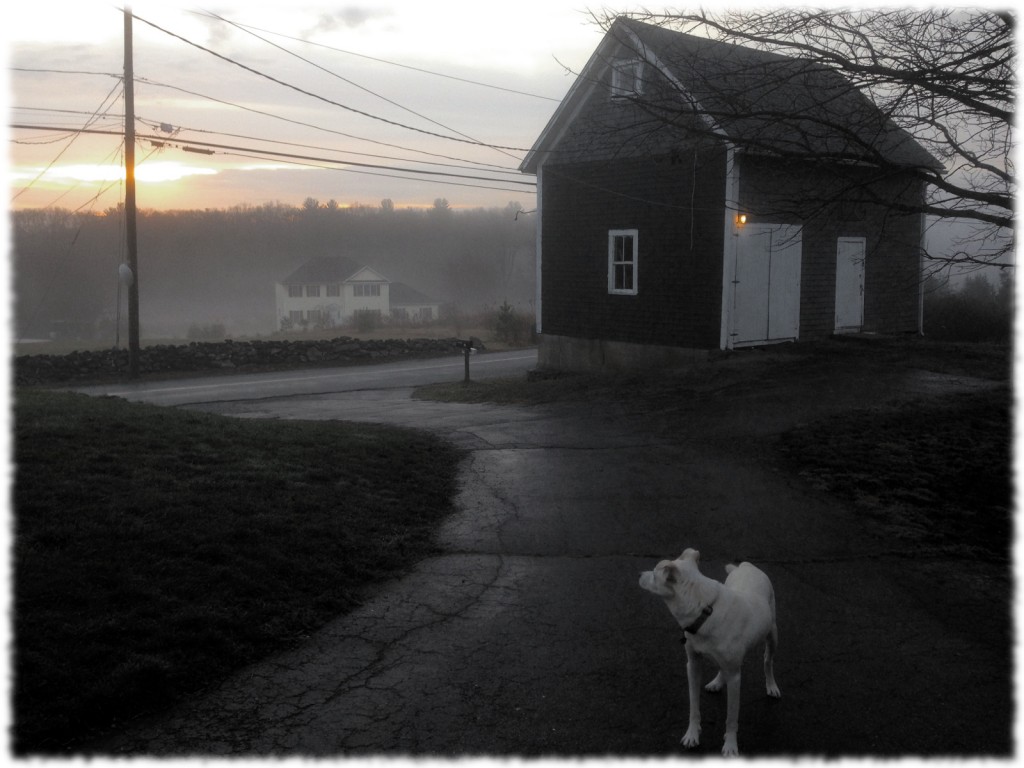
200, 268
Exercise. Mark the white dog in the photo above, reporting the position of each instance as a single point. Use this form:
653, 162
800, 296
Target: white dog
721, 621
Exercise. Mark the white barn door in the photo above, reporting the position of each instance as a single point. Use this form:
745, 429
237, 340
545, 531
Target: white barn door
766, 299
850, 284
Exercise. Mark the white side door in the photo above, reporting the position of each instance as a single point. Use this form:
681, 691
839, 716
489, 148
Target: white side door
850, 255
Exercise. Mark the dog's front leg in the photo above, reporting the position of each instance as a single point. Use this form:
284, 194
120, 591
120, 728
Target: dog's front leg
769, 671
732, 714
692, 736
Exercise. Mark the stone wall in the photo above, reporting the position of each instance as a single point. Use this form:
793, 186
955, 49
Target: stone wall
219, 356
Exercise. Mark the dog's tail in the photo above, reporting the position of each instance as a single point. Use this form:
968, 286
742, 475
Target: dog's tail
730, 567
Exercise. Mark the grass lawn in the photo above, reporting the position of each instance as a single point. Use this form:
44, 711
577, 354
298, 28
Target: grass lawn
936, 472
157, 550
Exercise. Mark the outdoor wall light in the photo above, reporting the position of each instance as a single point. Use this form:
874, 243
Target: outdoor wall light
741, 219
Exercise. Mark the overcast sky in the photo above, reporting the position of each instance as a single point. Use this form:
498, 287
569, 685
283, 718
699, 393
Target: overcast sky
452, 87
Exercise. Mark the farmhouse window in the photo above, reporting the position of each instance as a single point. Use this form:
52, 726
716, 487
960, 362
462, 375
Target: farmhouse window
627, 78
312, 291
295, 316
366, 289
334, 290
295, 291
622, 261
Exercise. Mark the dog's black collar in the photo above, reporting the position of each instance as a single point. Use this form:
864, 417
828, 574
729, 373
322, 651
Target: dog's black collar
695, 627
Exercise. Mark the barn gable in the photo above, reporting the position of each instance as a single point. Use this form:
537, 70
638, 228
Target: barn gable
684, 85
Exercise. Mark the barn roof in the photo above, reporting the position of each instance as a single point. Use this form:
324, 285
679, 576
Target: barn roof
763, 102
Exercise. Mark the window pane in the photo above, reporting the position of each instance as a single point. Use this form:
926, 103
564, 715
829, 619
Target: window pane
624, 277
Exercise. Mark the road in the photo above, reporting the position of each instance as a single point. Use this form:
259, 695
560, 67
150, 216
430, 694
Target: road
318, 381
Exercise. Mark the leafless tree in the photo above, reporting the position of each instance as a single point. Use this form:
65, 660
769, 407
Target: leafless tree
945, 76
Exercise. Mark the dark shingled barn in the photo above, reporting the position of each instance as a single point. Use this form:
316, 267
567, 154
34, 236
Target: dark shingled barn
696, 195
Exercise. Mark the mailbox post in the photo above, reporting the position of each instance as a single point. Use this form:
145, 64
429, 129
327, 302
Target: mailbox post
468, 347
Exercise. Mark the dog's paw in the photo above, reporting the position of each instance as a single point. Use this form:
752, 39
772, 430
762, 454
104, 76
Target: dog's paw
773, 691
692, 736
716, 685
730, 748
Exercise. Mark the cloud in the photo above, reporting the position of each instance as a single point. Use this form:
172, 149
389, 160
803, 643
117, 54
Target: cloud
349, 17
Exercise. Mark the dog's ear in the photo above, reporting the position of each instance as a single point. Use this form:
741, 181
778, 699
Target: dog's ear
671, 572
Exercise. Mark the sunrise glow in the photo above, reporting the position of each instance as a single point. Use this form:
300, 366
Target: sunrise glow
146, 172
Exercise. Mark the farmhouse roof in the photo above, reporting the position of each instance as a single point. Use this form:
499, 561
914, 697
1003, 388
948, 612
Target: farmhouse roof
764, 102
325, 269
402, 295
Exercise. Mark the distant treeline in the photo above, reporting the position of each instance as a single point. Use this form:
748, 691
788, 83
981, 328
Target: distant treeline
220, 266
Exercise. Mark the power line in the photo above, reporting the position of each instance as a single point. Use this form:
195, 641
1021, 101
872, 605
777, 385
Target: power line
324, 99
351, 82
394, 176
156, 124
78, 132
163, 141
297, 122
394, 63
355, 164
291, 156
479, 167
64, 71
302, 123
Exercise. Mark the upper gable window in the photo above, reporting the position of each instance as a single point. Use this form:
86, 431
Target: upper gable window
366, 289
627, 78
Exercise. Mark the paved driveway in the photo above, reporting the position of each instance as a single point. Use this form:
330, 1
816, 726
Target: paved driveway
528, 635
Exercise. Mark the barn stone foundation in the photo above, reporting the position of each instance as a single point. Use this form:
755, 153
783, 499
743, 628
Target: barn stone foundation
568, 353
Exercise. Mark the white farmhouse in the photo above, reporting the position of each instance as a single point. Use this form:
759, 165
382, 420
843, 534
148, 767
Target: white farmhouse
331, 291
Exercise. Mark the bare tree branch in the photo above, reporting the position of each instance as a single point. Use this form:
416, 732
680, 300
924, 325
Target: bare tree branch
944, 76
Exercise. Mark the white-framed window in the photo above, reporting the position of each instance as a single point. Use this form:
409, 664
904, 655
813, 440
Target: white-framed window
627, 78
623, 261
366, 289
312, 291
295, 291
334, 289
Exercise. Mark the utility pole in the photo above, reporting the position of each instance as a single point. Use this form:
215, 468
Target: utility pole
131, 233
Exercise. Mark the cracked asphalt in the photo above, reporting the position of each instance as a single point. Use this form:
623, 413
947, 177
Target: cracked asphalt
528, 635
